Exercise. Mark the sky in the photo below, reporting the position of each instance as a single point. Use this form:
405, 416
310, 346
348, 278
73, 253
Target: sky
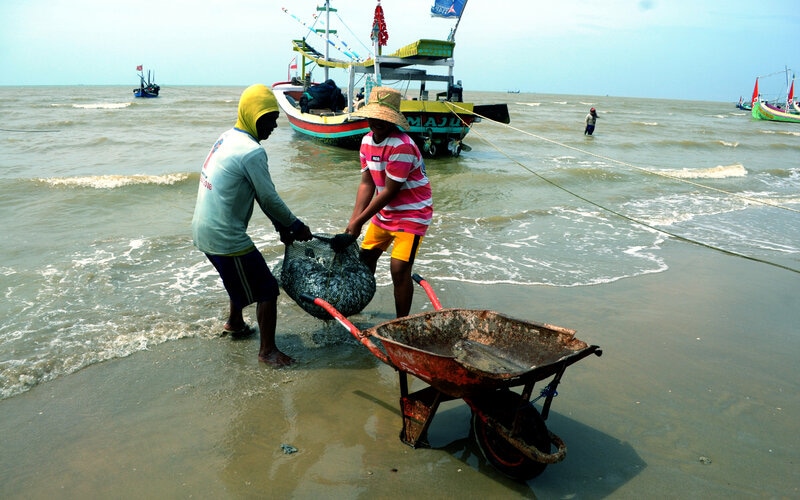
710, 50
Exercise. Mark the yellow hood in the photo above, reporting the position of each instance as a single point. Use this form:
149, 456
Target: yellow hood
256, 100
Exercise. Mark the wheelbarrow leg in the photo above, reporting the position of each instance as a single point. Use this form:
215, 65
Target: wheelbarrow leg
524, 400
551, 391
418, 410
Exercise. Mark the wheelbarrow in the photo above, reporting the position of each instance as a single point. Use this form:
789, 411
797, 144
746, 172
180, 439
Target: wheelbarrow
477, 356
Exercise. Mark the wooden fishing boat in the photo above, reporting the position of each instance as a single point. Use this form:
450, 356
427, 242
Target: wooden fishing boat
336, 128
746, 106
763, 110
439, 119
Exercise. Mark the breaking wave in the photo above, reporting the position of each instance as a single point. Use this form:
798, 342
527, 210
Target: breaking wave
115, 181
718, 172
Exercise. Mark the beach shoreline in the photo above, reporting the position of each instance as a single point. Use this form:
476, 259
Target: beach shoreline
695, 396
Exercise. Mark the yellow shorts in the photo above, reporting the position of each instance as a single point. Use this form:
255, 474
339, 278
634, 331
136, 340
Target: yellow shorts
405, 244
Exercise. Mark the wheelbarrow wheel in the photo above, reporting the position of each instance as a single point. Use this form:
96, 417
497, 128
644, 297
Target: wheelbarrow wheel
502, 406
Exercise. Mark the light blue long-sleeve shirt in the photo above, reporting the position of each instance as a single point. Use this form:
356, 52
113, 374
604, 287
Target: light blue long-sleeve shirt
234, 175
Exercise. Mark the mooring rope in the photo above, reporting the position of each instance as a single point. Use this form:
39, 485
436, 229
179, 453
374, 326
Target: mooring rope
612, 211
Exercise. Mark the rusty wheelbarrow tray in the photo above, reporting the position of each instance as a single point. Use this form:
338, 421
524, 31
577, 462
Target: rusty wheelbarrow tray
477, 356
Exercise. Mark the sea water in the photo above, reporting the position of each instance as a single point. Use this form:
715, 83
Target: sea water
99, 188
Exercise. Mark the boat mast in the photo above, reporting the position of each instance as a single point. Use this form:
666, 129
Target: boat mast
328, 31
452, 36
377, 50
379, 37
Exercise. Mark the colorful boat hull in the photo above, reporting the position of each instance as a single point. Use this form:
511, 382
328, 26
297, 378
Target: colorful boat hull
763, 111
146, 92
436, 126
334, 128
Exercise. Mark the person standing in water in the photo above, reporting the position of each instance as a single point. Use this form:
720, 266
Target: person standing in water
234, 175
591, 119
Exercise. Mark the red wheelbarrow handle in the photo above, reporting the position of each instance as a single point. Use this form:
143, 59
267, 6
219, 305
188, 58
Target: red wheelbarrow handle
353, 329
428, 290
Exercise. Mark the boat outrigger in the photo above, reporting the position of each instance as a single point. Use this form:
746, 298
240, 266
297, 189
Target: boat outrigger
147, 88
438, 121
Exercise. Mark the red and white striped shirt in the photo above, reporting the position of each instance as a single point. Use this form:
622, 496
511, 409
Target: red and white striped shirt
399, 158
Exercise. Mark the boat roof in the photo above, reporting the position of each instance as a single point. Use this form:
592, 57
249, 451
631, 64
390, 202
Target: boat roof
424, 52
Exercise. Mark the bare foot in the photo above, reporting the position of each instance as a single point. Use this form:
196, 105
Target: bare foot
275, 358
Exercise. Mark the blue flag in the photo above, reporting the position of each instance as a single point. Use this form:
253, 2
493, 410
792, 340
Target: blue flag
448, 8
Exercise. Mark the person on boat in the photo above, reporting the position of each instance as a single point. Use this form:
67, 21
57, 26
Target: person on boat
394, 195
456, 92
591, 119
234, 175
359, 99
326, 95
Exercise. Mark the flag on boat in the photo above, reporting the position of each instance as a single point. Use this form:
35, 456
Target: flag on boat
139, 67
379, 32
292, 67
448, 8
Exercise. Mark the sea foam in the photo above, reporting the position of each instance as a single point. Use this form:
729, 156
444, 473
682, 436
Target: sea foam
115, 181
718, 172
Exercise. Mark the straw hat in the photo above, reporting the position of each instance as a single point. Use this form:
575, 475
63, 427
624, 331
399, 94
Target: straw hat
384, 104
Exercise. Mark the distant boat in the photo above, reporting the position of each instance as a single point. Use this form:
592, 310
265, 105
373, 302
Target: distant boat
513, 91
753, 99
147, 88
743, 105
438, 124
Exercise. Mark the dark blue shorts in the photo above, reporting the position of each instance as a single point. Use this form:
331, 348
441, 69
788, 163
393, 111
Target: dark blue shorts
246, 278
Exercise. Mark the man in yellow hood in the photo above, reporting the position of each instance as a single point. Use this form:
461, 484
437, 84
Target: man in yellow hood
234, 175
256, 101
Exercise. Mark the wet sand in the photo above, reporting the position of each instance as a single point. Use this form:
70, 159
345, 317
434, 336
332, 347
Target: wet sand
695, 396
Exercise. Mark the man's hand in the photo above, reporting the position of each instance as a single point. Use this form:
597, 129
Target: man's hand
342, 242
303, 234
298, 231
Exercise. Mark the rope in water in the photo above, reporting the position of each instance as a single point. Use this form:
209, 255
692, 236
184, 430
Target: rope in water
619, 214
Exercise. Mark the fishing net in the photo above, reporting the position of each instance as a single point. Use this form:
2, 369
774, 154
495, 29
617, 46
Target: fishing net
341, 279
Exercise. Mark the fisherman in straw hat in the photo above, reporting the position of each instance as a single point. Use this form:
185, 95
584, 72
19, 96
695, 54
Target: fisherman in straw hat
384, 104
394, 195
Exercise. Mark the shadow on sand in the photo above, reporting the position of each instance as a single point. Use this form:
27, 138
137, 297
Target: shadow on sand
595, 461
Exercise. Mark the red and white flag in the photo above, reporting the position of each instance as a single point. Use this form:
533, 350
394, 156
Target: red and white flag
139, 67
292, 67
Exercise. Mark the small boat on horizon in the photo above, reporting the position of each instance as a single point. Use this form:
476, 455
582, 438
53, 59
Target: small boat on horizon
743, 105
147, 88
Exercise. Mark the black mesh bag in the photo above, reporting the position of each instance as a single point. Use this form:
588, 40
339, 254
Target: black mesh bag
341, 279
